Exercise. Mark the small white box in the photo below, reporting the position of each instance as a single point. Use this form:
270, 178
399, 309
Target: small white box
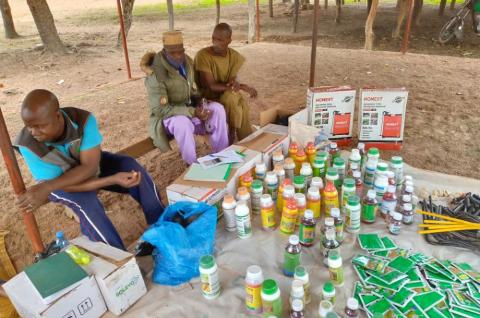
117, 274
83, 301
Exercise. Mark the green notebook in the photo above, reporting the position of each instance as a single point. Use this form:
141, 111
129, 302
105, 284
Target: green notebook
54, 274
215, 174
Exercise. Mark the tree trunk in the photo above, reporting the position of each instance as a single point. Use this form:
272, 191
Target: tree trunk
46, 26
338, 11
8, 25
452, 5
171, 22
369, 36
217, 4
127, 6
441, 9
270, 8
296, 7
252, 18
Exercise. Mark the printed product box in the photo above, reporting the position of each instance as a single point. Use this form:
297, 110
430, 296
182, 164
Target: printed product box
83, 301
117, 274
331, 109
382, 117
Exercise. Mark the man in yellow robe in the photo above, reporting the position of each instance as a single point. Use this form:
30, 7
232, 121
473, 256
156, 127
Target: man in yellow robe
217, 68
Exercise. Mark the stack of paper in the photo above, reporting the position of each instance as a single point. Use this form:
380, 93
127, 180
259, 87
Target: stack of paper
220, 158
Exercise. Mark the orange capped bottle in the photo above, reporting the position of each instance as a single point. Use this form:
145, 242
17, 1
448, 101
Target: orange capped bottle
299, 159
289, 217
330, 193
280, 194
311, 152
292, 150
246, 181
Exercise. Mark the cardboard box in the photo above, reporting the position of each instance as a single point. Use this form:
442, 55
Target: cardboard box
331, 109
117, 274
382, 117
84, 301
266, 141
252, 157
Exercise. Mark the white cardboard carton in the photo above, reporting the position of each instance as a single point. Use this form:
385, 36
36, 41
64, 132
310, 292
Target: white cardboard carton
382, 116
331, 109
84, 301
267, 140
117, 274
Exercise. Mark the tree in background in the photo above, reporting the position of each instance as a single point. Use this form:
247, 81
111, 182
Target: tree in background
127, 6
8, 25
46, 26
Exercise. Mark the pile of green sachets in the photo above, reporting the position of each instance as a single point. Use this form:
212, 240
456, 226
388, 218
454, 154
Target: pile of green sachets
396, 283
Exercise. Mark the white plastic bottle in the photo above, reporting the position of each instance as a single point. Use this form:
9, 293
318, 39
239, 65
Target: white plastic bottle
242, 217
260, 170
257, 192
244, 195
396, 163
380, 186
297, 291
307, 172
301, 274
271, 184
209, 277
228, 207
354, 158
324, 308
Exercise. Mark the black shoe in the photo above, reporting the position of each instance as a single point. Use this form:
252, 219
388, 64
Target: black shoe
144, 249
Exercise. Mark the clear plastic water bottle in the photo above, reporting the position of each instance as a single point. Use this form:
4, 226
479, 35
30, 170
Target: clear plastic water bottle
61, 242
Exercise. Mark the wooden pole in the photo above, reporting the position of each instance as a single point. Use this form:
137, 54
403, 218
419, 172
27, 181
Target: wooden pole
171, 22
217, 4
313, 57
257, 20
124, 39
18, 185
406, 35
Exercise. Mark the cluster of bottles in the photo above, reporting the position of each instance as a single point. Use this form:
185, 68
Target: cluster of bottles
304, 187
264, 295
309, 183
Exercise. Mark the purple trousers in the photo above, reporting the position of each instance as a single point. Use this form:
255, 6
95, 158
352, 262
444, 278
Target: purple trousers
183, 129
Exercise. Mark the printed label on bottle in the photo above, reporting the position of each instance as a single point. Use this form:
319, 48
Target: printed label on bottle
407, 219
307, 234
369, 212
210, 285
256, 202
253, 299
331, 201
307, 293
290, 262
315, 207
273, 191
339, 232
394, 229
272, 308
387, 206
287, 224
336, 275
244, 227
268, 218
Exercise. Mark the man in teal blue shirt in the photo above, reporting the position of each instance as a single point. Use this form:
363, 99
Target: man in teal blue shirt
62, 149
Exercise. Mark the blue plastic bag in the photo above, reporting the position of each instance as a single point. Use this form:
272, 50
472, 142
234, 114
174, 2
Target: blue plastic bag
178, 249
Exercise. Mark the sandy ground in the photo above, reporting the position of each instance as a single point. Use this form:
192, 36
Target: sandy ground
442, 115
